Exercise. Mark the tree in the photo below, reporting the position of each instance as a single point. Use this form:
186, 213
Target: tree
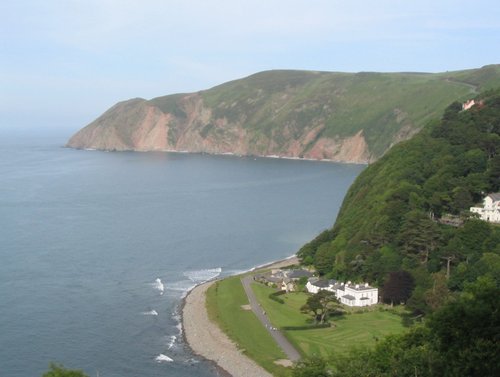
494, 173
321, 305
462, 200
436, 296
419, 235
465, 331
57, 370
357, 264
398, 287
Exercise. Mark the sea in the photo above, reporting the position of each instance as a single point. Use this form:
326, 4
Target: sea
98, 249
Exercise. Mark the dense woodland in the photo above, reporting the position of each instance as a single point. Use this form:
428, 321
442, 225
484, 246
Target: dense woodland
393, 230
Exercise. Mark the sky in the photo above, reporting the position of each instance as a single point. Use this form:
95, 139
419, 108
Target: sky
63, 63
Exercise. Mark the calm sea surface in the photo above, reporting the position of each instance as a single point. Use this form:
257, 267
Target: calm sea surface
97, 249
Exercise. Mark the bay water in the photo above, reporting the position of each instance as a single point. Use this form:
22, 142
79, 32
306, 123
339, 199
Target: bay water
98, 249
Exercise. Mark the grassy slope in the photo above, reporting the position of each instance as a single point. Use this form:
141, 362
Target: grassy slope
224, 301
378, 103
278, 107
352, 330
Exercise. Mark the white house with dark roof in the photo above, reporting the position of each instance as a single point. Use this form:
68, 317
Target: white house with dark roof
314, 285
490, 211
348, 294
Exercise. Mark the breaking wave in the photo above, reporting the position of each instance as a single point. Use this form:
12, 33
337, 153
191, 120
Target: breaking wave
159, 285
163, 358
201, 276
171, 342
150, 312
194, 278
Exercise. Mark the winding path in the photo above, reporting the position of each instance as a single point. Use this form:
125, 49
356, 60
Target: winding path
278, 336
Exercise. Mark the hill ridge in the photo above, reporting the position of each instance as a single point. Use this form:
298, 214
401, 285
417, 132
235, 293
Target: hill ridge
344, 117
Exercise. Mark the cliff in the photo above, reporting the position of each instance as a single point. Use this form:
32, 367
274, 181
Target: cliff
345, 117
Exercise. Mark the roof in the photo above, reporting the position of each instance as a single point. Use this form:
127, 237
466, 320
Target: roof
296, 274
495, 196
360, 287
320, 283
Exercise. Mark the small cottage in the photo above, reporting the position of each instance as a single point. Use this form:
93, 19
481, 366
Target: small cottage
490, 211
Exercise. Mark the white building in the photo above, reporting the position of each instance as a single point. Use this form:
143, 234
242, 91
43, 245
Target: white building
490, 211
348, 294
468, 104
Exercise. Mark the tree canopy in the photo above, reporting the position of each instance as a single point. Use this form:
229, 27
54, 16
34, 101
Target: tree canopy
57, 370
321, 305
392, 218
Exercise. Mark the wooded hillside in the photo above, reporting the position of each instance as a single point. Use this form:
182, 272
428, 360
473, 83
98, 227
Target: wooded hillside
390, 229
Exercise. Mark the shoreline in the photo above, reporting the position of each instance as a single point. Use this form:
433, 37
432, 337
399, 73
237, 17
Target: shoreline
207, 340
225, 154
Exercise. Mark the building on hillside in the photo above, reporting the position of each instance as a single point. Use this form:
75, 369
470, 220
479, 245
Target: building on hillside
287, 285
490, 211
348, 294
283, 279
314, 285
468, 104
297, 274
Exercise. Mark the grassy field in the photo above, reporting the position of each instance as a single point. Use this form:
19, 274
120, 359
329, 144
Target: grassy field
224, 305
352, 329
280, 315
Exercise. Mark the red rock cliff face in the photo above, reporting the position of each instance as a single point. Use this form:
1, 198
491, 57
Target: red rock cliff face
140, 126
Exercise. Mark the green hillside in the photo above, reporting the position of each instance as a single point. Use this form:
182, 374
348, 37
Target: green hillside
380, 104
392, 216
346, 117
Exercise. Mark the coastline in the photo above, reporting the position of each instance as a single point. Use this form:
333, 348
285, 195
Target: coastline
207, 340
226, 154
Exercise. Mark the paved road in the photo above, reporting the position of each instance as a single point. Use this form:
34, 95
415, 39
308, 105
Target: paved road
283, 342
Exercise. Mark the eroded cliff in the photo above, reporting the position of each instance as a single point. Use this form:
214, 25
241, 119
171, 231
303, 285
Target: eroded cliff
296, 114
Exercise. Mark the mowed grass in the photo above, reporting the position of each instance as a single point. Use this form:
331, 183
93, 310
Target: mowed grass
280, 315
353, 329
224, 305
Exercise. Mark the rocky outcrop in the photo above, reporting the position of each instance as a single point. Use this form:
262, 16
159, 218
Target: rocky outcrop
139, 126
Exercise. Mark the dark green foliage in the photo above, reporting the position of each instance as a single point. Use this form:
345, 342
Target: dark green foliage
321, 305
398, 287
389, 220
57, 370
465, 333
308, 251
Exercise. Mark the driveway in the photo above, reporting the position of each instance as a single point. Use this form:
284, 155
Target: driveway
282, 341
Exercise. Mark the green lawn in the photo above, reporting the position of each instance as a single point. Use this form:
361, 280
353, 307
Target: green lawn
287, 314
351, 330
224, 305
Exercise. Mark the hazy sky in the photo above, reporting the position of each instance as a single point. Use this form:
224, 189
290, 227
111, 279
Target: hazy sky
62, 63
